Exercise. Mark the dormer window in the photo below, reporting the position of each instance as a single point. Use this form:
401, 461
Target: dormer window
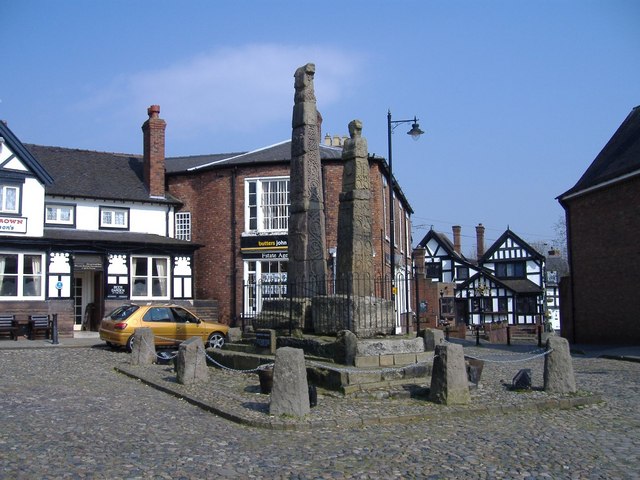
9, 199
111, 217
57, 214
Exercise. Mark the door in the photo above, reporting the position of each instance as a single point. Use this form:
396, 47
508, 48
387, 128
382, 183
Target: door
83, 301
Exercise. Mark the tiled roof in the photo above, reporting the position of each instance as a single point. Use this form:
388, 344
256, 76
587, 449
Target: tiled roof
619, 158
85, 173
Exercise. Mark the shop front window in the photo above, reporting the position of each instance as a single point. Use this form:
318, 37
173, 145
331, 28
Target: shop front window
149, 277
21, 276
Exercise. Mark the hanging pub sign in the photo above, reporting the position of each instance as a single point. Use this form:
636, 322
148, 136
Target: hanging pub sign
264, 247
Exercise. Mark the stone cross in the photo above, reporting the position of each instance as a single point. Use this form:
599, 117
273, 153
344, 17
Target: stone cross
307, 268
354, 270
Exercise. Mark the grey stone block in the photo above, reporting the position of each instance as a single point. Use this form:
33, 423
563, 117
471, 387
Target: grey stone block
143, 348
558, 367
191, 362
449, 382
290, 392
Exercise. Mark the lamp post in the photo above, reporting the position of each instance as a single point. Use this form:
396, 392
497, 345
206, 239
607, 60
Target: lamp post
415, 133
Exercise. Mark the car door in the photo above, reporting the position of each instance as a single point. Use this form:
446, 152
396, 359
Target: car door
188, 324
160, 320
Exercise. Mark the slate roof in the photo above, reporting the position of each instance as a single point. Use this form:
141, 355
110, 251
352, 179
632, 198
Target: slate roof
90, 174
445, 241
279, 152
620, 157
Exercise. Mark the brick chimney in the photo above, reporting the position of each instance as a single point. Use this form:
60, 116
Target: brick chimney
480, 240
153, 153
457, 244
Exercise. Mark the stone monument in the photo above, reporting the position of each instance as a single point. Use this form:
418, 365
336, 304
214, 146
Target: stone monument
290, 392
449, 381
354, 269
558, 367
307, 239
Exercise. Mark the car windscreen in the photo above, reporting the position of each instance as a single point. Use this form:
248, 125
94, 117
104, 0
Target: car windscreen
123, 312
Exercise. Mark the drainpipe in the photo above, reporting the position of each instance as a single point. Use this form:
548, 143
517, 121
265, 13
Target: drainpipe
234, 268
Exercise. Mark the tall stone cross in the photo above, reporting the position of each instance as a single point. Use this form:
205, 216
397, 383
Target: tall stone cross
354, 270
307, 268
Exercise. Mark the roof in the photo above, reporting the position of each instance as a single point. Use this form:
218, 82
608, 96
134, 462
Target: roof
518, 286
619, 158
498, 243
279, 152
443, 240
25, 155
90, 174
107, 239
276, 153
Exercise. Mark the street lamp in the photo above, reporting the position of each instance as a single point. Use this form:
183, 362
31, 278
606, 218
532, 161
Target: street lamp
415, 133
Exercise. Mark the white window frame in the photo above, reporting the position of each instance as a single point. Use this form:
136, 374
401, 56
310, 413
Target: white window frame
58, 208
20, 276
114, 211
183, 226
4, 189
269, 217
149, 278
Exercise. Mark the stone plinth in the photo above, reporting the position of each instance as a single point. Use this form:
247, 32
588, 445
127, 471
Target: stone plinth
432, 338
366, 317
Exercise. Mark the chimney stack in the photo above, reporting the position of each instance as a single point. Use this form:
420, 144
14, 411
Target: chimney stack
457, 244
480, 240
153, 153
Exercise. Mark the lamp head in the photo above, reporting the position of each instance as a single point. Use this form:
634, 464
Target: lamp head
415, 131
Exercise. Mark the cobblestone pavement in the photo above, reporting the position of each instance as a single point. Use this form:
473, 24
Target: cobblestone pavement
67, 413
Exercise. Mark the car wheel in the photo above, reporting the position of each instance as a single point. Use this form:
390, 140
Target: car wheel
216, 340
129, 345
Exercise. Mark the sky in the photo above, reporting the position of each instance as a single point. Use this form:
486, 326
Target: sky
516, 97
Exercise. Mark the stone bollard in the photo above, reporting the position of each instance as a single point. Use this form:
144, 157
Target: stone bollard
432, 338
143, 347
191, 362
558, 367
449, 382
290, 393
346, 347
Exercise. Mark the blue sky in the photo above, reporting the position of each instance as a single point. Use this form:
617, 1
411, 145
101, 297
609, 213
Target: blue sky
516, 97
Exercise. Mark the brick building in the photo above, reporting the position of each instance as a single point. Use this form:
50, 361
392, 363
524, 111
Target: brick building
600, 297
236, 206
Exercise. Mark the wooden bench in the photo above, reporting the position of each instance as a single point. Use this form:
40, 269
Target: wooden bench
9, 326
38, 324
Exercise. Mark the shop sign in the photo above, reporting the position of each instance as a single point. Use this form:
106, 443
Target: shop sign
263, 243
13, 224
117, 291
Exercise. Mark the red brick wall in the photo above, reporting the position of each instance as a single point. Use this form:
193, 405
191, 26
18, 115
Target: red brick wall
603, 231
207, 195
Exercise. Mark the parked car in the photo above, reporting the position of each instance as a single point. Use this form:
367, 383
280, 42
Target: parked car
171, 324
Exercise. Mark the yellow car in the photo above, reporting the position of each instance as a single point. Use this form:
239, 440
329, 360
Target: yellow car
171, 324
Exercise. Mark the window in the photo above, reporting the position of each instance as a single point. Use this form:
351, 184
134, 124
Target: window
510, 270
158, 314
183, 226
503, 304
527, 304
111, 217
462, 273
59, 214
432, 270
447, 306
21, 275
385, 216
150, 277
267, 205
9, 199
